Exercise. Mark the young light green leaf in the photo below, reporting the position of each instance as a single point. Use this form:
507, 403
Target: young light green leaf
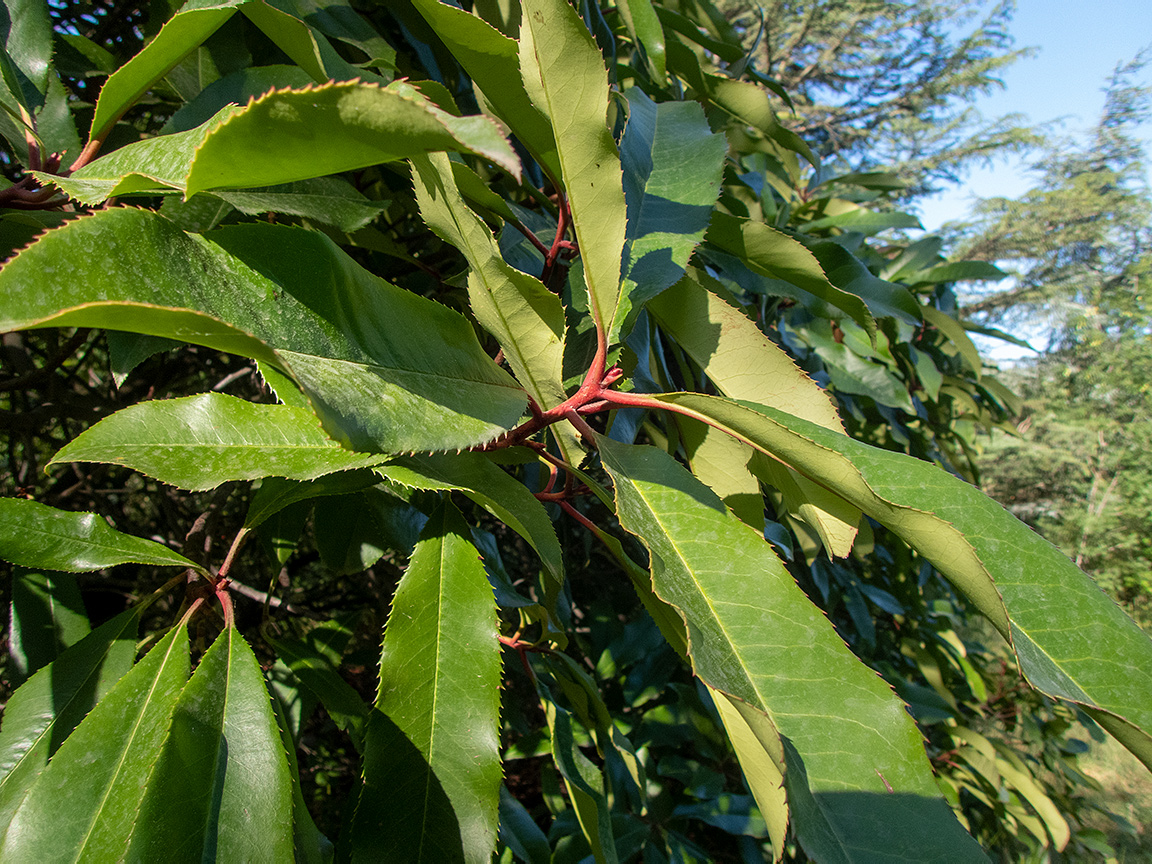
673, 164
770, 253
38, 536
377, 381
221, 788
195, 22
438, 706
83, 806
565, 77
492, 62
47, 616
524, 316
199, 442
485, 483
42, 713
773, 650
1072, 641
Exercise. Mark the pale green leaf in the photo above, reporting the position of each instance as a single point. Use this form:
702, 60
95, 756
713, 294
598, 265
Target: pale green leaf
199, 442
1072, 641
83, 806
644, 26
221, 787
565, 77
777, 256
42, 713
754, 636
957, 335
432, 763
37, 536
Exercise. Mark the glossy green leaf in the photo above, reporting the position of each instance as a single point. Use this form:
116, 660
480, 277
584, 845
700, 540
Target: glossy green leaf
195, 22
47, 616
643, 25
275, 493
319, 674
338, 20
775, 651
307, 47
199, 442
1071, 640
851, 373
221, 788
565, 78
492, 61
520, 833
745, 364
384, 368
489, 486
673, 163
439, 697
37, 536
286, 136
524, 316
84, 805
884, 298
770, 253
27, 34
963, 271
347, 536
584, 783
42, 713
721, 463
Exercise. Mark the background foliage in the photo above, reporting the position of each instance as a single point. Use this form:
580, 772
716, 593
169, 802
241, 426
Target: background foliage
608, 745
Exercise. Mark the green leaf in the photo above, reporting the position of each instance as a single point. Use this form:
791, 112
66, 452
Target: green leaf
673, 164
643, 25
42, 713
47, 616
439, 697
384, 368
526, 319
1072, 641
275, 493
866, 222
761, 753
489, 486
584, 782
748, 103
745, 364
851, 373
27, 33
338, 20
347, 536
221, 788
957, 335
520, 833
199, 442
777, 256
492, 61
962, 271
846, 271
84, 804
775, 651
286, 136
189, 27
305, 45
319, 674
37, 536
329, 200
565, 78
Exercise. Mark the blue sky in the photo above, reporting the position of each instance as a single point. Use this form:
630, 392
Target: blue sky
1078, 45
